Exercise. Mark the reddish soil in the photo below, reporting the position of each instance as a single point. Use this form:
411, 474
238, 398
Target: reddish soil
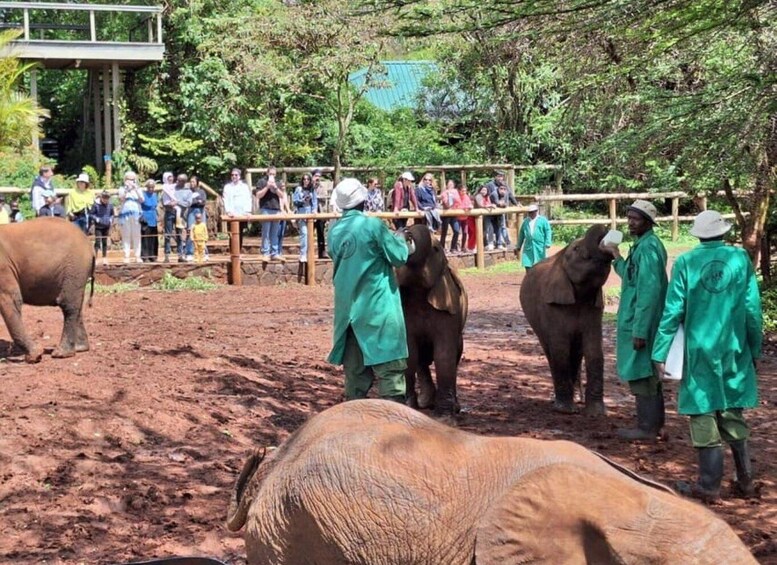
130, 451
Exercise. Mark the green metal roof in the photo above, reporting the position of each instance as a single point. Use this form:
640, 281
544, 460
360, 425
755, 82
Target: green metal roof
398, 86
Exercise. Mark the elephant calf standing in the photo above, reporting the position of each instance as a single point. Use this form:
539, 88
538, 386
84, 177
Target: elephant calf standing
375, 482
562, 300
45, 262
434, 303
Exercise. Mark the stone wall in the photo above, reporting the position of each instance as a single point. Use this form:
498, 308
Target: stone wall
255, 272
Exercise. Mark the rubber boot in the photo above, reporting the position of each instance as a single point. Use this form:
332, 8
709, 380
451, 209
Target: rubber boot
710, 475
743, 482
649, 415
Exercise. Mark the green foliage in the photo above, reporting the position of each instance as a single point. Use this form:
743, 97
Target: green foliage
116, 288
504, 268
769, 307
171, 283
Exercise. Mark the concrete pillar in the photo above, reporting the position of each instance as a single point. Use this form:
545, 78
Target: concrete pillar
94, 87
115, 105
34, 96
108, 146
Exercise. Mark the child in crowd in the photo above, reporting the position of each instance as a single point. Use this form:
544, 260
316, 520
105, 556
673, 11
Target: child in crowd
102, 215
52, 206
199, 237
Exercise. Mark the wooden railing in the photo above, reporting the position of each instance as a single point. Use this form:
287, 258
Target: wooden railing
310, 274
153, 17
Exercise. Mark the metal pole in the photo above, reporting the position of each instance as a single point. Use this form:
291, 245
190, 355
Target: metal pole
159, 28
675, 219
234, 252
310, 266
92, 26
26, 24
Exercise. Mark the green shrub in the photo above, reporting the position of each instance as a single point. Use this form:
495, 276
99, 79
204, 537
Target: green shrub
116, 288
170, 283
769, 306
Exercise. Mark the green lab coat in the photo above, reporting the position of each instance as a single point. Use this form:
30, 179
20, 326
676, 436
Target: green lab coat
364, 251
534, 245
643, 290
713, 292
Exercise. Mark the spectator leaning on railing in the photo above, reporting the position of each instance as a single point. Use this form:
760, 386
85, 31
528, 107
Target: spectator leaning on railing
237, 199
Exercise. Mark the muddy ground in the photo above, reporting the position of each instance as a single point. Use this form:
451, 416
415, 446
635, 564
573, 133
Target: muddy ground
130, 451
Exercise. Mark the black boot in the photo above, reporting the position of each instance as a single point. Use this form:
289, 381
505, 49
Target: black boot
743, 483
650, 411
710, 475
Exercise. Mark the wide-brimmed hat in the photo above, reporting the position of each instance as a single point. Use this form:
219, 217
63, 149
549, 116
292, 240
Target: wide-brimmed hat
83, 177
532, 208
709, 224
349, 193
646, 209
407, 175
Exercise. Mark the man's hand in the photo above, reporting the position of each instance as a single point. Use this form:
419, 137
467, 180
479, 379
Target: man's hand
638, 343
660, 369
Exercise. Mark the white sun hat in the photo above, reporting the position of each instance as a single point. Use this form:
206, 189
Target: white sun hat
709, 224
83, 177
532, 208
646, 209
407, 175
349, 193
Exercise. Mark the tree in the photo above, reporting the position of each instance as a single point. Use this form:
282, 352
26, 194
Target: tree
19, 113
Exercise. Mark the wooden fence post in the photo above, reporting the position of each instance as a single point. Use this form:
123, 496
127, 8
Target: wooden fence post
310, 266
464, 179
443, 182
234, 252
480, 259
613, 214
675, 219
518, 228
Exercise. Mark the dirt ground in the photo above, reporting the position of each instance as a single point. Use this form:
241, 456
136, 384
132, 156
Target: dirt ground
130, 451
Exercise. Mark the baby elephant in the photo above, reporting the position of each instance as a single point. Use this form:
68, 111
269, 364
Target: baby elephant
45, 262
434, 303
376, 482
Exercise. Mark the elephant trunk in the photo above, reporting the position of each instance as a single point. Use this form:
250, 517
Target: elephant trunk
241, 499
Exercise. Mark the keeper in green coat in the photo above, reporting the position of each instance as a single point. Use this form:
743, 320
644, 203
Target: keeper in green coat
369, 338
643, 290
535, 238
714, 293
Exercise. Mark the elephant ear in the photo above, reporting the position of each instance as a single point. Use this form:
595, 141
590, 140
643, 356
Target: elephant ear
557, 288
448, 294
565, 513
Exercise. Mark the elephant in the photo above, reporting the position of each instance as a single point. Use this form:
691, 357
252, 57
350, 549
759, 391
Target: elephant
45, 262
377, 482
563, 302
434, 303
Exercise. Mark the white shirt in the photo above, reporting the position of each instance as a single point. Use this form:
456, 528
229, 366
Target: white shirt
237, 198
533, 224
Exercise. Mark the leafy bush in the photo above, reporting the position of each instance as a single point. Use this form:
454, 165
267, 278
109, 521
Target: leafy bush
769, 307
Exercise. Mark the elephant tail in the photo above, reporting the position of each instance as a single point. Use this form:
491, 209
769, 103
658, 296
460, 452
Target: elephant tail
91, 291
631, 474
242, 496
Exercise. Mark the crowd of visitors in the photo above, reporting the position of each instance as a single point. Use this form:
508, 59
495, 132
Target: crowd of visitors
143, 214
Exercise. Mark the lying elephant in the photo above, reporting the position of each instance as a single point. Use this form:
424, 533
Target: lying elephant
562, 300
45, 262
435, 306
375, 482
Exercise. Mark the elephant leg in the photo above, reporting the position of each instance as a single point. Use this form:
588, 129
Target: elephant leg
11, 310
564, 357
67, 344
410, 372
82, 339
594, 369
424, 374
445, 365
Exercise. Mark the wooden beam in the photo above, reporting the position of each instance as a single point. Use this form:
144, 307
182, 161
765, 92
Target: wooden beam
480, 258
310, 266
115, 107
234, 252
92, 27
107, 113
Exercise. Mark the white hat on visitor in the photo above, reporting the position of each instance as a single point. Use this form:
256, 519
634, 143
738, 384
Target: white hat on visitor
407, 175
83, 177
349, 193
532, 208
709, 224
645, 209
